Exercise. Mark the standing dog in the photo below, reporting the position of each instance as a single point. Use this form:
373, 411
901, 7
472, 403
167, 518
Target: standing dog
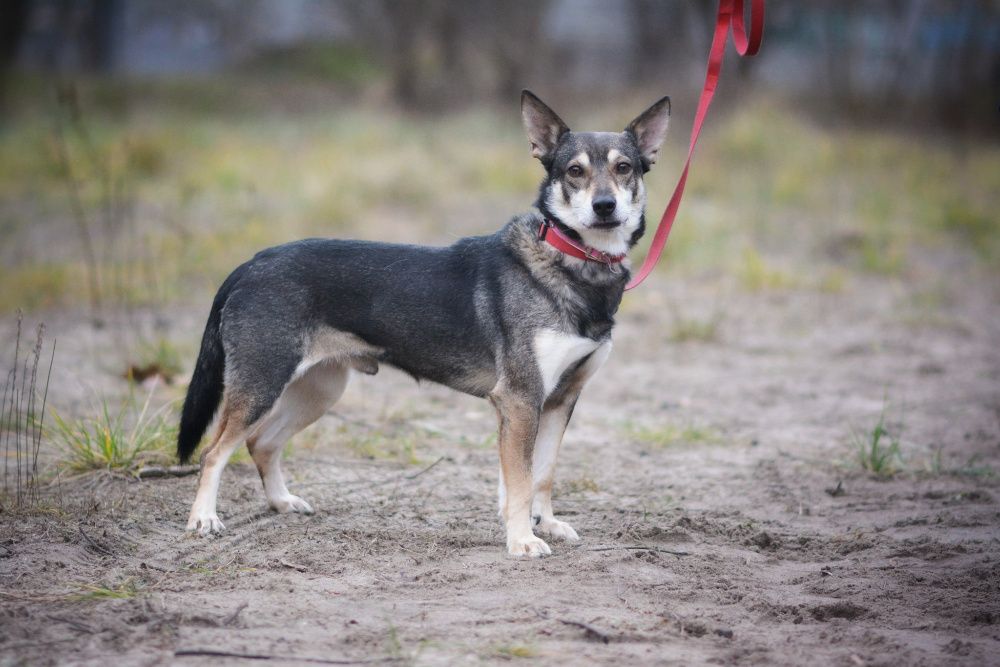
522, 317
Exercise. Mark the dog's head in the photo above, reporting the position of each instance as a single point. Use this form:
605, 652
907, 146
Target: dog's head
593, 180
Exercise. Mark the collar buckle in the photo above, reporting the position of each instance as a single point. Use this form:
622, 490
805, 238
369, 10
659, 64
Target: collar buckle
543, 229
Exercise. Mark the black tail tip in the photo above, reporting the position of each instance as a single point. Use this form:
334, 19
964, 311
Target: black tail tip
185, 448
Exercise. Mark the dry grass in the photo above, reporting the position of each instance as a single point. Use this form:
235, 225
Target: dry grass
208, 191
22, 418
116, 439
196, 190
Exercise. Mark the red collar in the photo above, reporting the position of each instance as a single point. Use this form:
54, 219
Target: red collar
549, 233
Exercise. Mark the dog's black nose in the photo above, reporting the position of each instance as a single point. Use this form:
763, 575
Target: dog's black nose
604, 206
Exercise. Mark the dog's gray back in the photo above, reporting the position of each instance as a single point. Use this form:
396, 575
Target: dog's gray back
451, 315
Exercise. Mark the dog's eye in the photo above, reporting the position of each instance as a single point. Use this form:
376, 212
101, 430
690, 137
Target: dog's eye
623, 168
575, 171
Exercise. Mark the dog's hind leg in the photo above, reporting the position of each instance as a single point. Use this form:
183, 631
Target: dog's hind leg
555, 417
228, 435
302, 402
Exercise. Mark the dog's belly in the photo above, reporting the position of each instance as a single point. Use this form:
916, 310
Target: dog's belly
460, 372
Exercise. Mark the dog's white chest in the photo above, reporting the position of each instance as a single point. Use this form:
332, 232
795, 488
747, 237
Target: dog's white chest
556, 351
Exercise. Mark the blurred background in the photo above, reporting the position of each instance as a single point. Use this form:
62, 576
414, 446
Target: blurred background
149, 146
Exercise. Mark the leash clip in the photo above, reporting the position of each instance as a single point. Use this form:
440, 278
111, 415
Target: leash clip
596, 255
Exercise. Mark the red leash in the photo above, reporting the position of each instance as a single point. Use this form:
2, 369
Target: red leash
730, 14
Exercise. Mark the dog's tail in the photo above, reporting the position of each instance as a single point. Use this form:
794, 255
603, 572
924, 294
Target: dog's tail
205, 391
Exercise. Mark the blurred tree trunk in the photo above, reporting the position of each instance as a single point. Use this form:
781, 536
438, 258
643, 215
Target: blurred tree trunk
965, 65
448, 29
403, 18
13, 21
100, 34
840, 56
653, 32
429, 46
424, 45
702, 19
517, 43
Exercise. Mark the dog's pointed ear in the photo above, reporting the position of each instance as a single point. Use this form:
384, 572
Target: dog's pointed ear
543, 126
650, 129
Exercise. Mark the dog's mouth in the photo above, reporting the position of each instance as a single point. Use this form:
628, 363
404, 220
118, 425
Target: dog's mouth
605, 224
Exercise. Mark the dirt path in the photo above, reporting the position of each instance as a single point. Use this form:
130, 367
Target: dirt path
723, 517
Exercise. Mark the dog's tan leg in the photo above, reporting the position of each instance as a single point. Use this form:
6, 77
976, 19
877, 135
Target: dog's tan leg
501, 493
229, 433
555, 417
518, 427
302, 402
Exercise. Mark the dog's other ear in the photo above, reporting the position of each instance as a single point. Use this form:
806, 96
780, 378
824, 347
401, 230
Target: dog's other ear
543, 126
650, 129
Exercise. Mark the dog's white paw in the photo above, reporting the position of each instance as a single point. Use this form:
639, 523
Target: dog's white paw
558, 529
291, 503
205, 524
528, 547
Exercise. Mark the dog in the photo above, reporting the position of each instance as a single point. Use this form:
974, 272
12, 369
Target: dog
522, 317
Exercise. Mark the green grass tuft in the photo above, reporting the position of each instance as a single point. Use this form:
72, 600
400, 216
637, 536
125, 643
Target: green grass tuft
115, 440
878, 451
124, 591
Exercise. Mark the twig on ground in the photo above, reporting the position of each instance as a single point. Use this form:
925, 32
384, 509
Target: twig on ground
803, 459
44, 597
640, 547
351, 420
294, 566
152, 472
76, 625
289, 658
229, 620
371, 484
589, 631
144, 565
421, 472
11, 647
98, 547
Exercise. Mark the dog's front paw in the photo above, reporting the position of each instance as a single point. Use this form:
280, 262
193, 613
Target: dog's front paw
557, 529
291, 503
205, 524
528, 547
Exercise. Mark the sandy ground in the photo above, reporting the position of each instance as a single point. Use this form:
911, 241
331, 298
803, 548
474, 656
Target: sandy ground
728, 544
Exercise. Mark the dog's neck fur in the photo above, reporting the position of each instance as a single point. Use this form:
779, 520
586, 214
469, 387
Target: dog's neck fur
589, 291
